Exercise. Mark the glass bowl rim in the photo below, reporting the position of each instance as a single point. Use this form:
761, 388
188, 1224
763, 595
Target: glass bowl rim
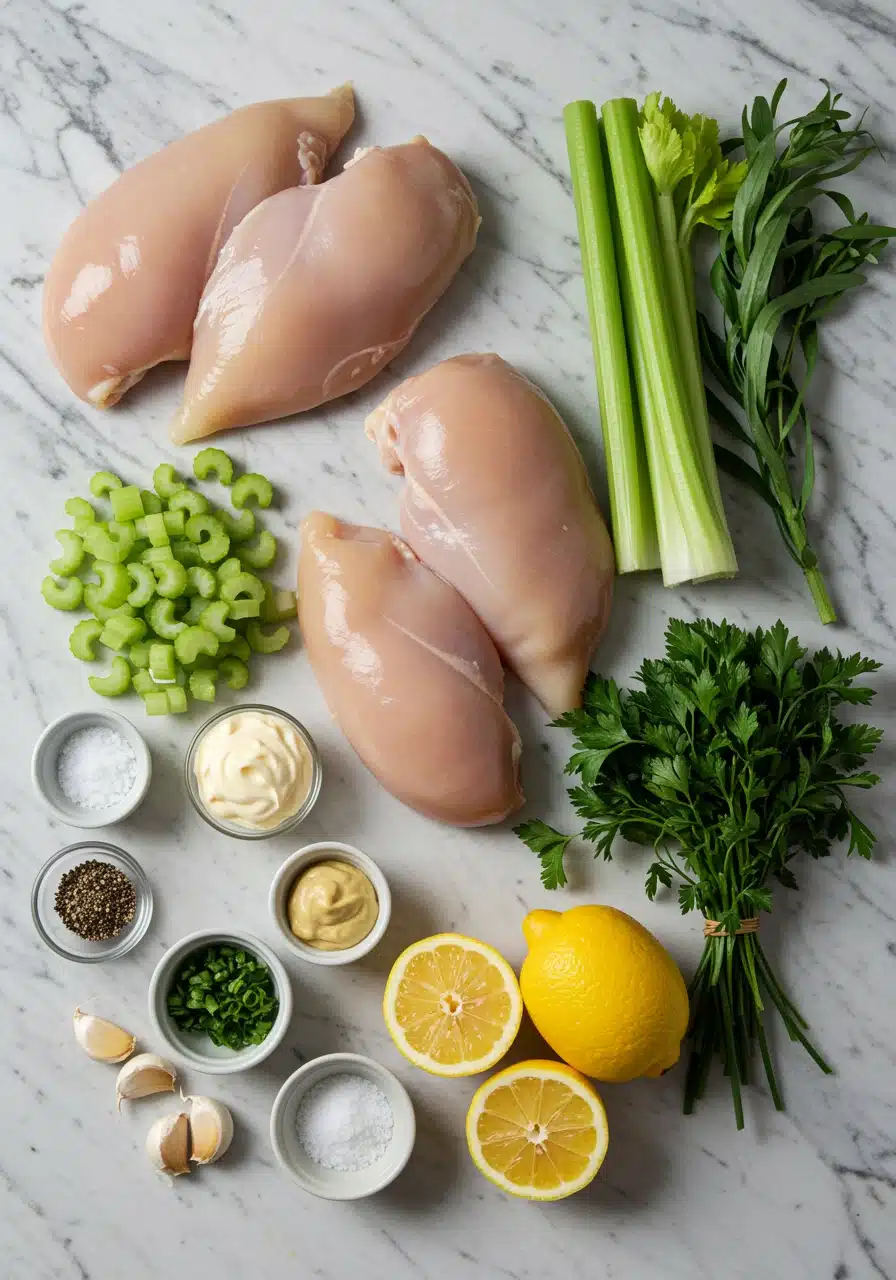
141, 884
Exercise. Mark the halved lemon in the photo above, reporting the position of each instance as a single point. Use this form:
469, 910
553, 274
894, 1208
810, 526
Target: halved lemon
538, 1130
452, 1005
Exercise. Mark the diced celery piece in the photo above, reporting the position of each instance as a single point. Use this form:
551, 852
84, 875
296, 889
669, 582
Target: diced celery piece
171, 578
104, 611
138, 656
202, 582
234, 673
72, 553
214, 619
83, 638
152, 503
115, 542
162, 665
195, 640
185, 551
260, 552
121, 631
252, 487
156, 702
102, 482
177, 700
65, 596
153, 527
214, 462
114, 584
127, 503
143, 683
279, 604
267, 641
160, 616
192, 616
115, 683
144, 580
238, 647
208, 534
229, 568
166, 481
195, 504
157, 555
80, 510
240, 609
242, 586
239, 527
202, 685
175, 522
140, 545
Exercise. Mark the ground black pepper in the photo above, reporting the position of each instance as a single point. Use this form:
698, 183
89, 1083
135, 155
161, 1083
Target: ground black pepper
95, 900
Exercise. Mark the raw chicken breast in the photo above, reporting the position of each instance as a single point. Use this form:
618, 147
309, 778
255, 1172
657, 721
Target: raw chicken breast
320, 287
122, 292
497, 501
409, 673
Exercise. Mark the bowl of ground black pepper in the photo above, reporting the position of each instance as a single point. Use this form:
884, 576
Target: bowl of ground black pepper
91, 902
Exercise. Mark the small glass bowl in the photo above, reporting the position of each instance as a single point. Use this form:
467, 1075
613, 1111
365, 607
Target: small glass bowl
63, 940
236, 829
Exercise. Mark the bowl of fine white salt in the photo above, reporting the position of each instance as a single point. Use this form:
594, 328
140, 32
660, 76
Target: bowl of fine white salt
343, 1126
91, 768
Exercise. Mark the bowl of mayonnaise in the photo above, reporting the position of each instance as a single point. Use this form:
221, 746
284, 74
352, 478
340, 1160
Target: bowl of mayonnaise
253, 771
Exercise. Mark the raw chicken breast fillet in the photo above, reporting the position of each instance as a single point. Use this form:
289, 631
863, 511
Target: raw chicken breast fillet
319, 287
497, 502
122, 292
409, 673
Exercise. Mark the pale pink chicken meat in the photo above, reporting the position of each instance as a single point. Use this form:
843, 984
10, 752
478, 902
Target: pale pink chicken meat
498, 503
408, 672
122, 292
320, 287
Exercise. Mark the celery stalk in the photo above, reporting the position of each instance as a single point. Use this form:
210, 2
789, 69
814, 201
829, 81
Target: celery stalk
696, 544
631, 506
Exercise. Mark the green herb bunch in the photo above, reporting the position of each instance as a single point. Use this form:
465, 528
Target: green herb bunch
226, 992
729, 761
777, 275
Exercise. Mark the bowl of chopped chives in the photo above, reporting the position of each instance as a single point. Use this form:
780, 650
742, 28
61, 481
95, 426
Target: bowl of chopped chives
221, 1000
91, 768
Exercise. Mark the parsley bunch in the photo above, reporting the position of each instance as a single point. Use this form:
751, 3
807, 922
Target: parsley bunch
729, 761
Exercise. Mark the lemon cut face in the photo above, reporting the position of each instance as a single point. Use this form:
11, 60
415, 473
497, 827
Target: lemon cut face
538, 1130
452, 1005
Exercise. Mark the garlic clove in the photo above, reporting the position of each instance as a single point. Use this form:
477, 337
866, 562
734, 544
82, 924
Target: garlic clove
101, 1040
167, 1143
143, 1075
211, 1129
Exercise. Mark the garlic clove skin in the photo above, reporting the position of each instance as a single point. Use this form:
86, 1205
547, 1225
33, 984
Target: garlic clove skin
142, 1076
167, 1143
101, 1040
211, 1129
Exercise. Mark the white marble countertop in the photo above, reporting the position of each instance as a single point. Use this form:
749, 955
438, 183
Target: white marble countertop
87, 89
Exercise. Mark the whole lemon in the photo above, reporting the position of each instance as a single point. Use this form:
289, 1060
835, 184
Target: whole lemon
605, 995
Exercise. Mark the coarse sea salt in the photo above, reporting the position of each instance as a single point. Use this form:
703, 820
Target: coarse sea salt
344, 1122
96, 767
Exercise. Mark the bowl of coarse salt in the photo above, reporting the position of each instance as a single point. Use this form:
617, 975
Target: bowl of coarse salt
343, 1126
91, 768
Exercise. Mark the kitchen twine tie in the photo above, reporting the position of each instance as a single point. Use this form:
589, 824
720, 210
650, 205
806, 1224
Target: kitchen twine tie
713, 928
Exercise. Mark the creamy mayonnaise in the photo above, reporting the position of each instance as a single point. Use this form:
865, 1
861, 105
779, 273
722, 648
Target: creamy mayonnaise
332, 905
253, 768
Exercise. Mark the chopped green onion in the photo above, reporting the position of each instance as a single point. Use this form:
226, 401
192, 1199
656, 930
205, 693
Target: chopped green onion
156, 702
201, 581
192, 641
166, 481
72, 553
83, 638
175, 522
261, 552
160, 616
214, 462
114, 584
208, 534
66, 596
171, 578
80, 510
252, 488
267, 641
115, 683
162, 664
279, 604
121, 631
214, 619
127, 504
102, 482
234, 673
202, 685
104, 611
143, 578
238, 527
152, 503
138, 656
114, 542
190, 501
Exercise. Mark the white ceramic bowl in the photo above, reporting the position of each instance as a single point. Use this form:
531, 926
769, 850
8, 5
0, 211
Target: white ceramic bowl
294, 865
195, 1049
46, 754
334, 1184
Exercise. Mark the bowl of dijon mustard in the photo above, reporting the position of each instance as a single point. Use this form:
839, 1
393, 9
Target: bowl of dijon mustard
331, 903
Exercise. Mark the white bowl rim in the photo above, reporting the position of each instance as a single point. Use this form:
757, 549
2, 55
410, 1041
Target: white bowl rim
242, 1059
93, 819
309, 854
328, 1064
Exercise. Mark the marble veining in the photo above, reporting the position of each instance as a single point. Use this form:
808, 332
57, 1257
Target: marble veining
86, 89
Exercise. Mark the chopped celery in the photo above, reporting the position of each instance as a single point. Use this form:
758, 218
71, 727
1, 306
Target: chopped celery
238, 647
166, 481
233, 672
80, 510
175, 522
138, 655
185, 551
208, 534
83, 638
192, 615
160, 616
162, 664
72, 553
114, 542
66, 596
243, 587
229, 568
114, 583
241, 609
115, 683
157, 555
267, 641
195, 504
214, 462
143, 578
261, 552
127, 504
156, 702
238, 527
143, 682
154, 528
102, 482
104, 611
121, 631
193, 641
171, 578
202, 685
177, 700
252, 488
214, 619
279, 604
152, 503
201, 582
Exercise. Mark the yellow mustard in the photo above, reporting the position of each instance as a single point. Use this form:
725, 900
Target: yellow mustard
332, 905
254, 769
